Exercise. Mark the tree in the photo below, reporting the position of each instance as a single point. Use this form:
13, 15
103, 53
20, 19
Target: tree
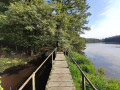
30, 24
71, 17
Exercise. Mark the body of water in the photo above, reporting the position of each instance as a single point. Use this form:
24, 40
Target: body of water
106, 56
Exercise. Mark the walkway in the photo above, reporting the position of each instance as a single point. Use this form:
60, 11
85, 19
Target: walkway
60, 77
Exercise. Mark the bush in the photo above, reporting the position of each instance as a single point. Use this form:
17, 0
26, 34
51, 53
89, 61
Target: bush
88, 69
6, 50
80, 59
102, 83
102, 71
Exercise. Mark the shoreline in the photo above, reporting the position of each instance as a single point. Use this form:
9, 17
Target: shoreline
97, 78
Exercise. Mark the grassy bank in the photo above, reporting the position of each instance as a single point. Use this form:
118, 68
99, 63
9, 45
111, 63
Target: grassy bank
97, 78
10, 62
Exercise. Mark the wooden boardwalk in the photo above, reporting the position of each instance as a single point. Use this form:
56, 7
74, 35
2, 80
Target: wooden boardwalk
60, 77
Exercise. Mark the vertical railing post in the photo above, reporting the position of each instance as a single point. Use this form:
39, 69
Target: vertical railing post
83, 83
55, 52
65, 51
33, 81
68, 58
52, 58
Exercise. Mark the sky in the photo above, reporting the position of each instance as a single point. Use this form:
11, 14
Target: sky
105, 19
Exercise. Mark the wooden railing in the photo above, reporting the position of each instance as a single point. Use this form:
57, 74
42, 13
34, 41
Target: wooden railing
84, 77
34, 73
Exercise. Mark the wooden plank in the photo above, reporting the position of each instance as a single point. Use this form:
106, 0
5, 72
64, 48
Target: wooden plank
60, 77
60, 84
60, 88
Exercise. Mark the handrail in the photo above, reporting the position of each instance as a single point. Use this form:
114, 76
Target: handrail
32, 76
83, 74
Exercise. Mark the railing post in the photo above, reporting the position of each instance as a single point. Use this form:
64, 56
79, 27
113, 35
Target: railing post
83, 83
33, 82
52, 58
68, 58
65, 51
56, 51
10, 88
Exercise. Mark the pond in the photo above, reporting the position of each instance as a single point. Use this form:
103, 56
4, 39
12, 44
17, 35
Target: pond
106, 56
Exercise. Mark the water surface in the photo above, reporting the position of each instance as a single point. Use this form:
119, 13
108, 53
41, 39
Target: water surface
106, 56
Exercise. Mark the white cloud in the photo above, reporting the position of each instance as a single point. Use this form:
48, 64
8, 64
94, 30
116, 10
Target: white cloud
109, 25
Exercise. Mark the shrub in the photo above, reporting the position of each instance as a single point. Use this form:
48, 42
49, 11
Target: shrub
80, 59
6, 50
102, 83
88, 69
102, 71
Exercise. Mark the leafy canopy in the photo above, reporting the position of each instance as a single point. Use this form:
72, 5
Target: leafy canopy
29, 25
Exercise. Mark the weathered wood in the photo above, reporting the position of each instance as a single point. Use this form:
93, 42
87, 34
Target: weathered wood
33, 82
61, 88
68, 59
83, 83
60, 77
52, 59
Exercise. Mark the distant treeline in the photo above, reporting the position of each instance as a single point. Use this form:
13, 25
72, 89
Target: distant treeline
114, 39
92, 40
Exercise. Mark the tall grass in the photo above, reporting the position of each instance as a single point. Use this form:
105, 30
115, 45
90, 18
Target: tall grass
97, 78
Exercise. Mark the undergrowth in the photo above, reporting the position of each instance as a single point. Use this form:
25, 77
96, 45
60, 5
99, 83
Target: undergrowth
97, 78
10, 62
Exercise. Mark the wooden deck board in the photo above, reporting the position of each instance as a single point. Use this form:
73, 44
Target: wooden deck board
60, 77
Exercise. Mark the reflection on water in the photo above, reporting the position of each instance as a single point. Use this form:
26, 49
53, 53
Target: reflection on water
106, 56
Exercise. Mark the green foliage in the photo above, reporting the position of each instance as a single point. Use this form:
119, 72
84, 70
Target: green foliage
71, 18
98, 79
88, 68
80, 59
114, 39
102, 71
3, 8
76, 76
6, 49
77, 43
102, 83
9, 62
92, 40
29, 25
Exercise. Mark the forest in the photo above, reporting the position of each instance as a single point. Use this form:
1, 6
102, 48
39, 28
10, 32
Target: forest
114, 39
92, 40
26, 26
